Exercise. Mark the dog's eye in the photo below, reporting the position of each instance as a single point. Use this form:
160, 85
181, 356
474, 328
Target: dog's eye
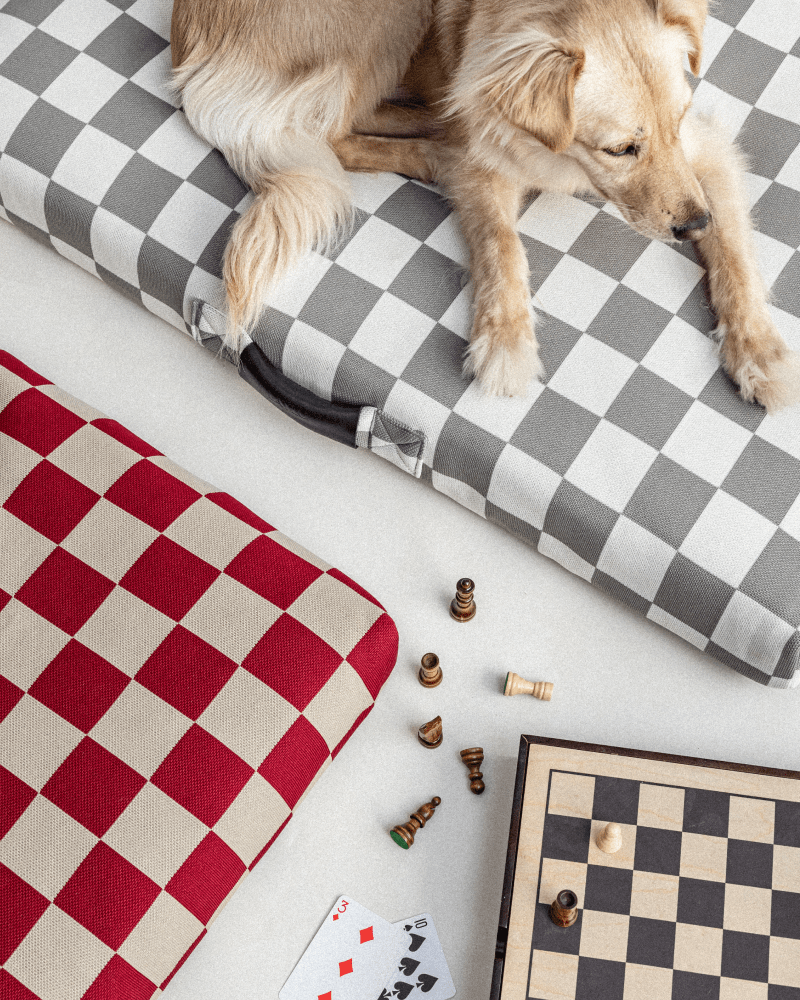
628, 150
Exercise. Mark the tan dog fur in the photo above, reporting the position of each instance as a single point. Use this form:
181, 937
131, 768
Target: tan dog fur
506, 96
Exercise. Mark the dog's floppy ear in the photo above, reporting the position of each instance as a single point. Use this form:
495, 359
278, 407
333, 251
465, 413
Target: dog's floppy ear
690, 17
531, 79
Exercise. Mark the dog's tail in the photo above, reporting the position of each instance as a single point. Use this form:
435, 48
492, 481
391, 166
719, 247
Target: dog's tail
274, 135
293, 211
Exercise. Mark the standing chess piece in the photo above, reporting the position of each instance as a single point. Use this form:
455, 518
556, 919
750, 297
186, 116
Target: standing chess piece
403, 835
462, 607
543, 690
609, 839
430, 673
564, 908
430, 735
473, 758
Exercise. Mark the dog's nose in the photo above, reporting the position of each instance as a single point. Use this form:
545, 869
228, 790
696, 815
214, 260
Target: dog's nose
684, 231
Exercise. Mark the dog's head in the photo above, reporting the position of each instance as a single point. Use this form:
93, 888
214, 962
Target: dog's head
603, 82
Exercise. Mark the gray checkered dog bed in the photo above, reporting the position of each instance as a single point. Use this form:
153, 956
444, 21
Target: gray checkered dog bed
635, 466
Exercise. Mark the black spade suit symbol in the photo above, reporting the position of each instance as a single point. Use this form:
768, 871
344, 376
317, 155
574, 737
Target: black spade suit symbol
417, 940
426, 982
401, 990
408, 966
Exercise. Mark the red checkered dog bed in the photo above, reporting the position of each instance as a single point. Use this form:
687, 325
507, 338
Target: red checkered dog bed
174, 675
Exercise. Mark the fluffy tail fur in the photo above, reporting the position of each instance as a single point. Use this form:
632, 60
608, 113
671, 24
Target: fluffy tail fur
273, 132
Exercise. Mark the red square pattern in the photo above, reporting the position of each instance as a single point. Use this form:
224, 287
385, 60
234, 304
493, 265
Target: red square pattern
233, 506
375, 654
337, 574
340, 745
4, 599
10, 694
18, 368
294, 761
169, 577
20, 907
38, 421
79, 685
15, 797
272, 571
124, 436
120, 980
292, 660
51, 501
202, 775
206, 877
12, 989
107, 895
93, 786
186, 672
65, 591
151, 494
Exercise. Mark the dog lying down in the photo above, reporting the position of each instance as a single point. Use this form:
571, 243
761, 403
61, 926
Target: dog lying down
509, 96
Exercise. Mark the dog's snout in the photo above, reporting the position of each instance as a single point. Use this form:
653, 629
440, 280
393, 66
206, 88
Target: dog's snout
687, 230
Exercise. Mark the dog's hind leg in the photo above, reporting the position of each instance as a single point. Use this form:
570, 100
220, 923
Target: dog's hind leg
409, 120
753, 352
416, 158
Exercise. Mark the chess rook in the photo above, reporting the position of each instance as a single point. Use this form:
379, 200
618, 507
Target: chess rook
564, 908
403, 835
430, 673
609, 839
430, 735
543, 690
473, 758
463, 607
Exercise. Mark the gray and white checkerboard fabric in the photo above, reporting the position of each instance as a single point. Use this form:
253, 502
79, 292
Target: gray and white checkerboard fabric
635, 466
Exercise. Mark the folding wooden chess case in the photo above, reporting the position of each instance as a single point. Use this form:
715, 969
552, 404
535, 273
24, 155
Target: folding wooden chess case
636, 465
702, 899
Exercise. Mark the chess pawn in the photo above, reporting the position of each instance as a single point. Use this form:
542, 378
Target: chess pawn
543, 690
609, 839
430, 735
430, 673
463, 607
473, 758
403, 835
564, 908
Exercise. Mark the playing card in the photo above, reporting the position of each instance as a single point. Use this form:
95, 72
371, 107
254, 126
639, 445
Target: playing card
350, 957
422, 971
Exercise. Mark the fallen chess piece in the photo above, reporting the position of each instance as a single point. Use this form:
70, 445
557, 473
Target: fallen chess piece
463, 606
473, 758
430, 673
403, 835
609, 839
564, 908
430, 735
543, 690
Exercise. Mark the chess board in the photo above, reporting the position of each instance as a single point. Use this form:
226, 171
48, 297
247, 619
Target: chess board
702, 901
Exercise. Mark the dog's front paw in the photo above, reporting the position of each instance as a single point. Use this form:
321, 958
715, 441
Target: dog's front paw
756, 357
503, 353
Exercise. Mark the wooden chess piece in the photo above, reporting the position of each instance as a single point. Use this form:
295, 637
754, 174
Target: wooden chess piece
473, 758
430, 735
609, 839
463, 607
564, 908
430, 673
543, 690
403, 835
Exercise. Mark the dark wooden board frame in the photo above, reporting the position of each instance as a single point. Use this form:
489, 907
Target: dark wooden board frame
525, 743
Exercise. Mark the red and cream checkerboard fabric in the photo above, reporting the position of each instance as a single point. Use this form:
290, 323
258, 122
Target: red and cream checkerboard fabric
174, 675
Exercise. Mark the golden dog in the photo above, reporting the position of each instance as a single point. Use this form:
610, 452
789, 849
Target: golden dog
501, 97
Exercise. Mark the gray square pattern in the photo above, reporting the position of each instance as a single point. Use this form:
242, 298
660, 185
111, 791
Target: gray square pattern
636, 465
